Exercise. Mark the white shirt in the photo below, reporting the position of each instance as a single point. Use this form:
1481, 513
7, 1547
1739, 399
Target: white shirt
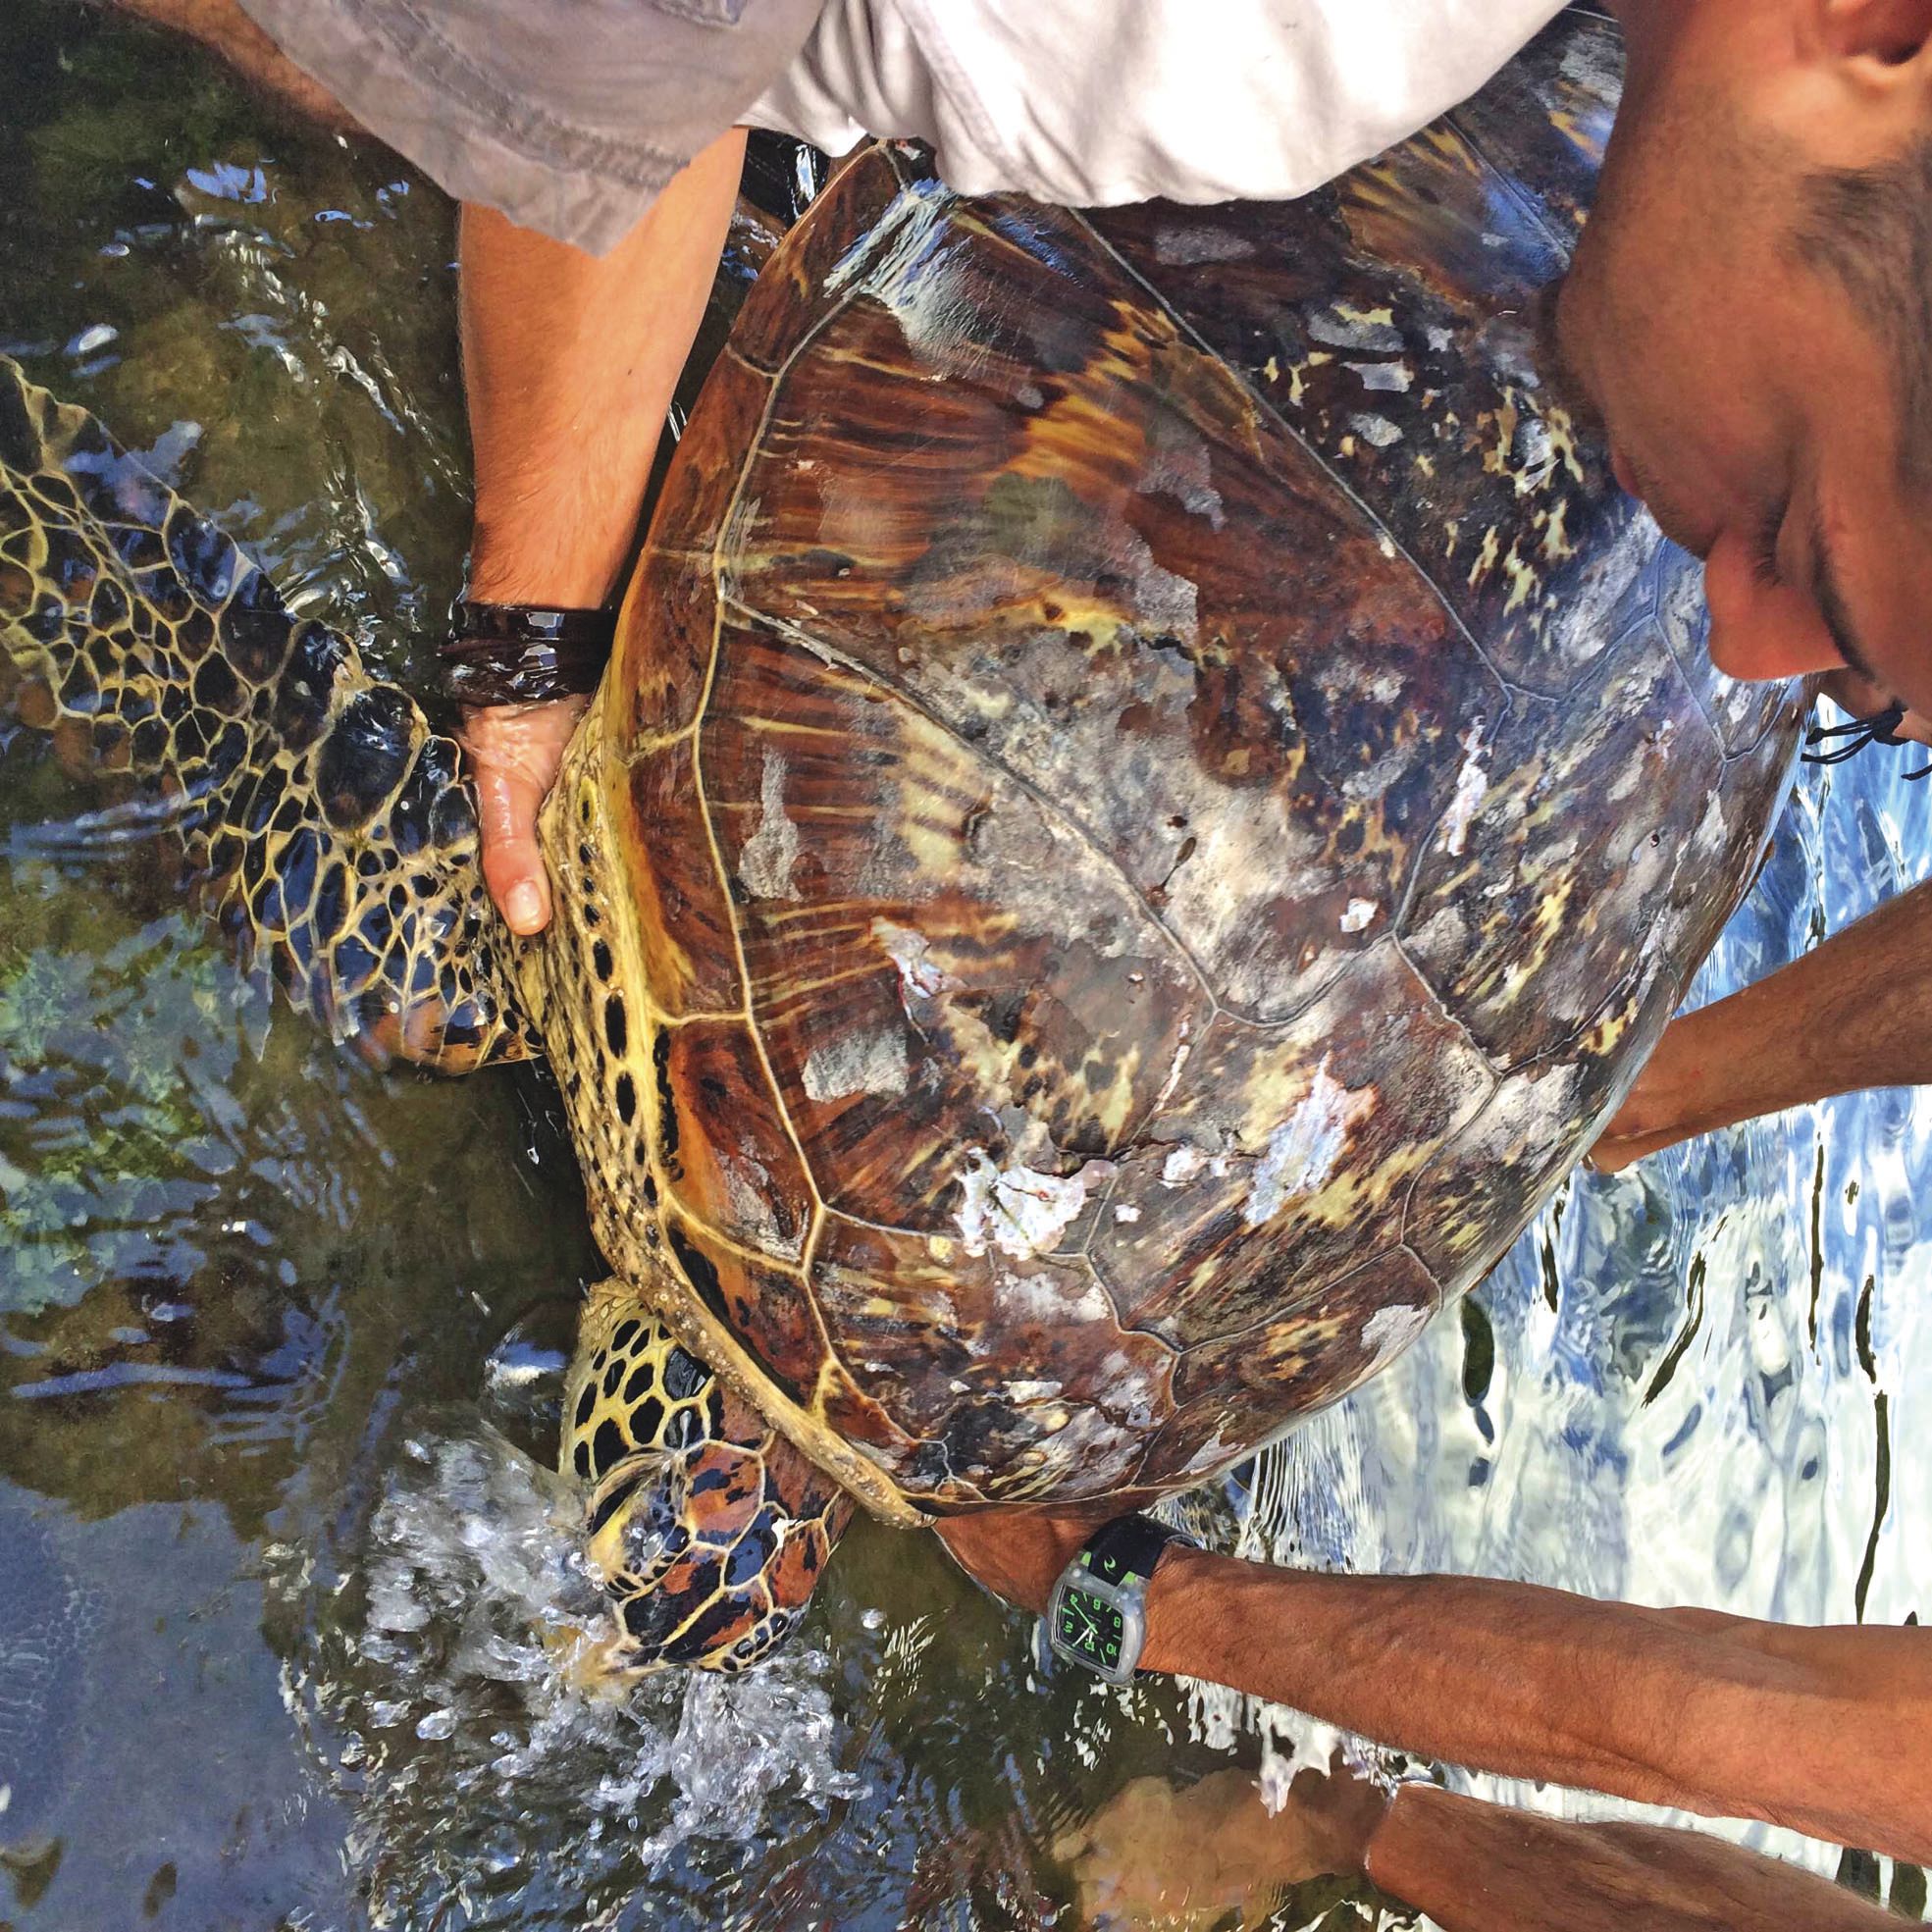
1094, 102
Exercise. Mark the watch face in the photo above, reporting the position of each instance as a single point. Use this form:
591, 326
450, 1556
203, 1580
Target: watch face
1091, 1627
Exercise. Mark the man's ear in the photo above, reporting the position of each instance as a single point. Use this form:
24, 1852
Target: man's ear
1878, 33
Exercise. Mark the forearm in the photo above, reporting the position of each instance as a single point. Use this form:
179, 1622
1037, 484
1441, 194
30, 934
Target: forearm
1475, 1867
1713, 1714
1854, 1012
222, 26
569, 362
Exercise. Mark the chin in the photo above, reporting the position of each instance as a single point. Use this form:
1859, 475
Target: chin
1563, 355
1730, 664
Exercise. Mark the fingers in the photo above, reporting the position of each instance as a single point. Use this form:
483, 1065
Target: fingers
1614, 1155
512, 866
514, 753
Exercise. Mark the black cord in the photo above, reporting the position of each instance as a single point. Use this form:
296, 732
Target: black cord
1881, 728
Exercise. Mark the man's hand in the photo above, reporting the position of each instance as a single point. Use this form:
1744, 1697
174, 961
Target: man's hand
569, 363
1154, 1856
514, 754
1016, 1553
1849, 1014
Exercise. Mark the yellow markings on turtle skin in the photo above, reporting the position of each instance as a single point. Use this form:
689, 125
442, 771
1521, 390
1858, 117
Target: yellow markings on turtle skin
1584, 131
1110, 1099
435, 956
1495, 460
1556, 545
654, 1277
789, 988
834, 1380
1547, 926
1366, 318
624, 1220
1562, 430
934, 848
1486, 557
1604, 1039
1297, 374
1523, 580
650, 744
608, 1308
785, 727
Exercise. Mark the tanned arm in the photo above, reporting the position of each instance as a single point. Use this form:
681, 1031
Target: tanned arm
1854, 1012
1476, 1867
222, 26
570, 361
1154, 1854
1817, 1729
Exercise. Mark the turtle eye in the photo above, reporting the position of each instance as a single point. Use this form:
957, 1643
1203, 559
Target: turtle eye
636, 1529
609, 1505
653, 1530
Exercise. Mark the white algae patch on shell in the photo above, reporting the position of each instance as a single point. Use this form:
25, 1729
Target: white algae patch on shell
1302, 1152
864, 1062
1344, 327
1182, 246
1184, 1164
919, 977
1389, 1330
1018, 1210
1472, 788
1391, 377
765, 864
1031, 1391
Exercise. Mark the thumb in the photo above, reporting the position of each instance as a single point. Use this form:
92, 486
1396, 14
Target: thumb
513, 864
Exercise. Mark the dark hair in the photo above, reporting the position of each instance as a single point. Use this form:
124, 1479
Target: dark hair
1871, 228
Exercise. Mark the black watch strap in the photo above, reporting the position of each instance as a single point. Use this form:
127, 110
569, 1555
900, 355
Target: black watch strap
1127, 1548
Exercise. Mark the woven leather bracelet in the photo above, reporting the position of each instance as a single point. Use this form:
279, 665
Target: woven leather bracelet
524, 653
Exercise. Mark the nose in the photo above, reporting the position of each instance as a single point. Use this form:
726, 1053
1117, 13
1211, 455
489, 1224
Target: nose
1761, 629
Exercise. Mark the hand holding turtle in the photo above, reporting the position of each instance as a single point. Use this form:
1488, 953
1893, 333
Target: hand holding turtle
1849, 1015
514, 753
1016, 1553
569, 363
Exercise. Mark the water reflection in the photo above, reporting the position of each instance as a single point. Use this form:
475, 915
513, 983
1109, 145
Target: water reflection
1690, 1384
285, 1610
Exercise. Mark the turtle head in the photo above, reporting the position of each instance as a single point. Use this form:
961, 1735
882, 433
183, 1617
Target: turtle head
706, 1528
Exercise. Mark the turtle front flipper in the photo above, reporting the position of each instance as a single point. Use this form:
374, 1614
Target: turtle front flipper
321, 822
707, 1528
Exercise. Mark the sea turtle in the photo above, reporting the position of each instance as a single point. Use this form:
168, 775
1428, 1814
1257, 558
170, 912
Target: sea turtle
1150, 794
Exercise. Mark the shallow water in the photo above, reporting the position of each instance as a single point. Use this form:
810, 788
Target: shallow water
285, 1612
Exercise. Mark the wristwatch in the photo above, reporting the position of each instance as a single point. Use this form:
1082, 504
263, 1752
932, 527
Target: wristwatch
1097, 1614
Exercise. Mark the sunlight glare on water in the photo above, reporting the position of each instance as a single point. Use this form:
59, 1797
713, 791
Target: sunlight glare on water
473, 1742
1695, 1383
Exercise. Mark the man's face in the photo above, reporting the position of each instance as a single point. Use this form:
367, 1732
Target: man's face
1745, 400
